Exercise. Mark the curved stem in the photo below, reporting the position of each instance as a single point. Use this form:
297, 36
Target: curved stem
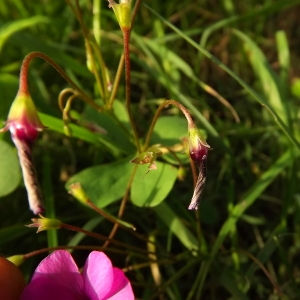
24, 70
160, 108
61, 96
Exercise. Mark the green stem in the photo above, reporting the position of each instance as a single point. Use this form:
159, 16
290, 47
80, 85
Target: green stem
107, 216
101, 65
116, 82
52, 237
97, 20
89, 49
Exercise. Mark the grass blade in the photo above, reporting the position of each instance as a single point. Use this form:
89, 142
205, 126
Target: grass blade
261, 100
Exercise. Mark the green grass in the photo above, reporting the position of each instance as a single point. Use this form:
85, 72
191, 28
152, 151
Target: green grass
235, 66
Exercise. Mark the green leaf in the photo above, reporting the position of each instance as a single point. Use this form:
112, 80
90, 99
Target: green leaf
174, 223
295, 87
260, 99
68, 61
248, 199
175, 90
8, 87
10, 173
229, 283
266, 251
57, 125
104, 184
117, 136
267, 77
10, 28
283, 55
168, 130
152, 188
173, 59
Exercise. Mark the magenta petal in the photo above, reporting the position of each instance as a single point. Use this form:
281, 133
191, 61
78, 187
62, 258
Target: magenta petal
48, 289
57, 262
121, 288
98, 276
60, 267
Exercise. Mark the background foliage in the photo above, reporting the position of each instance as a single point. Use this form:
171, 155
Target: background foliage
243, 243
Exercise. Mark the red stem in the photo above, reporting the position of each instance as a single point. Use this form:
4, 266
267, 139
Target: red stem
188, 117
126, 39
102, 237
23, 87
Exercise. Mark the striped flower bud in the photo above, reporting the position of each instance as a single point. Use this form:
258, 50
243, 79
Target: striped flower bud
198, 149
24, 125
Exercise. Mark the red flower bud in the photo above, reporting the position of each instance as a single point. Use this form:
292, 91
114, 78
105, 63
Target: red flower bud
24, 125
198, 152
23, 121
197, 146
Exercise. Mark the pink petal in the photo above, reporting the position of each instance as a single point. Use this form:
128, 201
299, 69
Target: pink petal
57, 262
48, 289
103, 282
60, 267
121, 289
98, 276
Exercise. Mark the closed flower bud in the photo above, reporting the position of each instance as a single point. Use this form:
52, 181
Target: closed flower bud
122, 12
149, 157
24, 125
198, 152
78, 192
197, 146
17, 260
23, 121
45, 224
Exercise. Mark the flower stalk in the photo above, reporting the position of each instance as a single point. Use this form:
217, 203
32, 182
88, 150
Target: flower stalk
198, 148
80, 92
34, 193
123, 15
24, 125
77, 192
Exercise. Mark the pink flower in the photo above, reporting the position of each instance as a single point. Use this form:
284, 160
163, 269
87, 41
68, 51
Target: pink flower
57, 277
